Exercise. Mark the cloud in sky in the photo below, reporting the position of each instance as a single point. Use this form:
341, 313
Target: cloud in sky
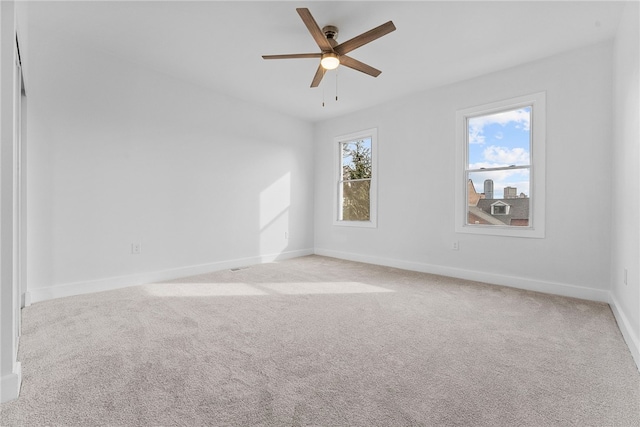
476, 135
520, 119
505, 156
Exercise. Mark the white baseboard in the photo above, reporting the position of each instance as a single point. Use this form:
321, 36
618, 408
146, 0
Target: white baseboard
26, 300
85, 287
10, 384
563, 289
625, 328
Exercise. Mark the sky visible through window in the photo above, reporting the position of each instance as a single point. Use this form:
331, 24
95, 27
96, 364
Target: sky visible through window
500, 140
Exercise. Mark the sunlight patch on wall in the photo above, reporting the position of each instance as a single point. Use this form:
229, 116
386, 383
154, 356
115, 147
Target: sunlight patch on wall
275, 199
274, 215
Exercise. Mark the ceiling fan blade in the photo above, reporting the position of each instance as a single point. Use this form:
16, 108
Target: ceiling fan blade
314, 29
293, 56
318, 77
365, 38
348, 61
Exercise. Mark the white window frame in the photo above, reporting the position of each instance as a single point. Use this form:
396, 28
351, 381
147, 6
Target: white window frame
337, 189
536, 227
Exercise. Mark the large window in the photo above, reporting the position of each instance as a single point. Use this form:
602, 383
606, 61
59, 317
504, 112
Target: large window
356, 179
500, 168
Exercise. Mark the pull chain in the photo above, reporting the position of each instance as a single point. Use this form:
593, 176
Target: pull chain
336, 84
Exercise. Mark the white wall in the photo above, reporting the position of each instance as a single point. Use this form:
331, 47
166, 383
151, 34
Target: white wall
121, 154
625, 211
416, 181
10, 370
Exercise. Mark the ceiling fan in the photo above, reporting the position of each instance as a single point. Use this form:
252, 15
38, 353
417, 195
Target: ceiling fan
333, 54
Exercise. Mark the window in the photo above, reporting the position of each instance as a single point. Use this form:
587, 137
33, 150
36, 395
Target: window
500, 168
355, 194
498, 208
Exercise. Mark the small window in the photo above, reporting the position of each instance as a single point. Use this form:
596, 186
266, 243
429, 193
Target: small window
499, 210
356, 179
500, 168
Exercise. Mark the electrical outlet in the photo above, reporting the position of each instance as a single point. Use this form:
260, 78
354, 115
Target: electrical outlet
625, 276
286, 235
455, 245
136, 248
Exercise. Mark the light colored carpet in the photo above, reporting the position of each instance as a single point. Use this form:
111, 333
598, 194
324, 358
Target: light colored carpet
323, 342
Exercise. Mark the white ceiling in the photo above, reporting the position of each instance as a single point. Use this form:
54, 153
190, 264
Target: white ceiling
219, 44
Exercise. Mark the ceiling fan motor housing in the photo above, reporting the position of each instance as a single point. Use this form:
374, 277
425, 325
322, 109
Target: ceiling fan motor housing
331, 33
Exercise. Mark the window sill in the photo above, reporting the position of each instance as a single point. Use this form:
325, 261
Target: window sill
496, 230
357, 224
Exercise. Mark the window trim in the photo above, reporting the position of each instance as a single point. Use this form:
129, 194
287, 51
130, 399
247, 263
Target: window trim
537, 173
337, 178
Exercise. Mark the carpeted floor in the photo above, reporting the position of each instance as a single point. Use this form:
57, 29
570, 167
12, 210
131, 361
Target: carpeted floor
323, 342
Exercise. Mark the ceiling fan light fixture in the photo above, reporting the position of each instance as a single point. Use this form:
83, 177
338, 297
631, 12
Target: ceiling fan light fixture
330, 61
